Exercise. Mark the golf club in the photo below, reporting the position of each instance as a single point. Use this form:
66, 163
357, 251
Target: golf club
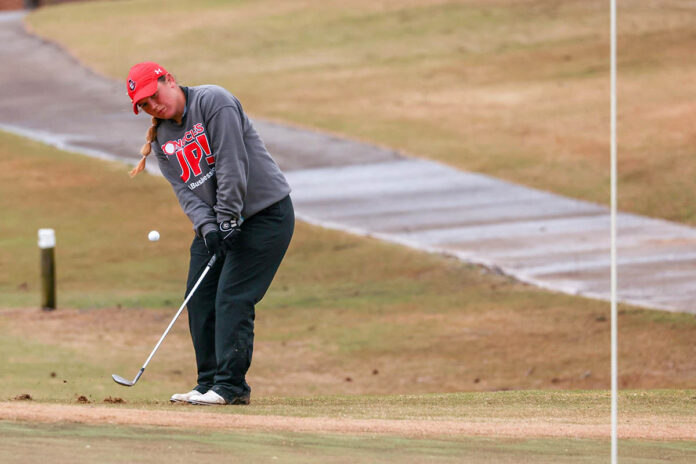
127, 383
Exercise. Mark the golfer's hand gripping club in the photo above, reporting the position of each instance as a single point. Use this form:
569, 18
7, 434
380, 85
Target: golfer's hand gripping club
229, 230
120, 380
218, 242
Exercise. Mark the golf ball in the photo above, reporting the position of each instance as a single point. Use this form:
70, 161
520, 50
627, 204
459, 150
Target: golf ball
153, 236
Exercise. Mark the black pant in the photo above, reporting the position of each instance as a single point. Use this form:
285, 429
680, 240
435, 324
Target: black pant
221, 312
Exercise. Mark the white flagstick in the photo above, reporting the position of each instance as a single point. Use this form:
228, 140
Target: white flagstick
614, 332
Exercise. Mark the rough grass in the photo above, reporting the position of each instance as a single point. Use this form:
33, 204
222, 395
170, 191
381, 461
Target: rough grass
516, 89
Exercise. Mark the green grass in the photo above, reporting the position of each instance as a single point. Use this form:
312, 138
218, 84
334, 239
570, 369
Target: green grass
29, 443
518, 90
35, 443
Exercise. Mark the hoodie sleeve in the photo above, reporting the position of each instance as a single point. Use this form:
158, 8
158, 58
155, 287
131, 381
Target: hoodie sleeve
200, 213
226, 127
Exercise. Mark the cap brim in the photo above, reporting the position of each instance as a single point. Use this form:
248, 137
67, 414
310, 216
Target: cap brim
145, 91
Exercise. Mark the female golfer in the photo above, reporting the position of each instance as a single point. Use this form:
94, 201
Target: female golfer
238, 201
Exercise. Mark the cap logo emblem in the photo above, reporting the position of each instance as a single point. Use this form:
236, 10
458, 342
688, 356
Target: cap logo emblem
131, 84
158, 71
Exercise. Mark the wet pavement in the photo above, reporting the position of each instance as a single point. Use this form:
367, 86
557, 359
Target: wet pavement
540, 238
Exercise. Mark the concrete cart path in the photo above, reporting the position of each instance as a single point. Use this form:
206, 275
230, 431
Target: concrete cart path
541, 238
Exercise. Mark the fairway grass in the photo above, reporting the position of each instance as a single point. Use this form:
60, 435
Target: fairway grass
517, 90
36, 443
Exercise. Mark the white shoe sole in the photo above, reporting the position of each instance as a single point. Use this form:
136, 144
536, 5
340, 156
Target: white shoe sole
173, 400
183, 398
204, 403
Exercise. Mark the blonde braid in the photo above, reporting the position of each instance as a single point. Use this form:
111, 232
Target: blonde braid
146, 149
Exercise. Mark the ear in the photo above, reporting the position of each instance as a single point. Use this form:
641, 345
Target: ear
171, 81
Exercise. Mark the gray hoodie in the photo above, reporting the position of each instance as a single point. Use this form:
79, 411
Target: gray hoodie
216, 161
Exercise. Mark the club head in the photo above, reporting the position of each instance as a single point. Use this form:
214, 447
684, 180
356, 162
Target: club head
121, 381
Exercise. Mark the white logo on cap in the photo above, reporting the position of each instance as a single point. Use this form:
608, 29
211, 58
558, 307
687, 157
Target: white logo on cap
158, 71
131, 84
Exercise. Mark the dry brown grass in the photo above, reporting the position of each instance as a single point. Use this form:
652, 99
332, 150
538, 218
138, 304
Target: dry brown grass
518, 90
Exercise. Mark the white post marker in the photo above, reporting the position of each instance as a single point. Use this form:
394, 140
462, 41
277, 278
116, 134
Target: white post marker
47, 244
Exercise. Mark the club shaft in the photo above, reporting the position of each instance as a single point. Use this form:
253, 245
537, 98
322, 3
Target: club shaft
176, 316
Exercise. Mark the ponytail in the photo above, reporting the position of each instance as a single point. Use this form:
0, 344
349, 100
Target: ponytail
146, 149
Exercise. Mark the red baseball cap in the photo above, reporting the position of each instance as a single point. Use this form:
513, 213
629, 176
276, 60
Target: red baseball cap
142, 81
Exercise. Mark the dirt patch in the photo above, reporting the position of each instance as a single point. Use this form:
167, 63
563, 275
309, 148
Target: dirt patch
82, 399
117, 400
23, 397
640, 427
